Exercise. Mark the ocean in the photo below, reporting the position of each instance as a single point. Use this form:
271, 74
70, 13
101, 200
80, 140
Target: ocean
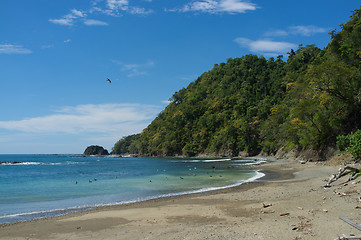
37, 186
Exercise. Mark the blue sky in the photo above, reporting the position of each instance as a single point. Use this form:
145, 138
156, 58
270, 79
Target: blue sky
55, 57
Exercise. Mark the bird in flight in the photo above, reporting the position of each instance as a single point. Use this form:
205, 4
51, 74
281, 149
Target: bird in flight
108, 80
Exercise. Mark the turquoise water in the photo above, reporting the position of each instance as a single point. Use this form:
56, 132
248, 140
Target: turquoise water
49, 185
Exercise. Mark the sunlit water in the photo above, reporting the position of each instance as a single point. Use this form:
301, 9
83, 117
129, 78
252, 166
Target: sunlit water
49, 185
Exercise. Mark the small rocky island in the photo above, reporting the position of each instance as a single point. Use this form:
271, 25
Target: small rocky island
95, 150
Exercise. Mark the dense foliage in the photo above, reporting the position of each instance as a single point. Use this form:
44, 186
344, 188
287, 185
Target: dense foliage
351, 143
252, 104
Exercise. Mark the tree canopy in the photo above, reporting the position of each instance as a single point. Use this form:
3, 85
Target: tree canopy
251, 104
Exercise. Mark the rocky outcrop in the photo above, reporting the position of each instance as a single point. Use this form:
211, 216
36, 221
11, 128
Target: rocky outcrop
95, 150
308, 155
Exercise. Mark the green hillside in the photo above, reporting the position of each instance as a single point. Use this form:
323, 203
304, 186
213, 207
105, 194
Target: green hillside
251, 104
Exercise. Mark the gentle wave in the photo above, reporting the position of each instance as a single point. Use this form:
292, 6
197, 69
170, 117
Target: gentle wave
203, 190
205, 160
58, 212
39, 163
27, 163
41, 214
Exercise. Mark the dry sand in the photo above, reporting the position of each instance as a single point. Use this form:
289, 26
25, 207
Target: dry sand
300, 208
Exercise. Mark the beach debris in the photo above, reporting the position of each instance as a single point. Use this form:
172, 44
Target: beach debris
284, 214
266, 212
303, 226
302, 162
325, 210
300, 208
358, 207
348, 221
181, 177
358, 227
344, 237
342, 172
266, 205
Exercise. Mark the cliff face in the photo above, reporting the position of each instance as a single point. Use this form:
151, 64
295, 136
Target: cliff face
95, 150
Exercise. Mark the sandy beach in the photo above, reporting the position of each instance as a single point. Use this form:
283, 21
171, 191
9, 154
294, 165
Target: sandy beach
289, 203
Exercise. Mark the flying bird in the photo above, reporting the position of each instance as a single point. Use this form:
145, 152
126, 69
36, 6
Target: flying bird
108, 80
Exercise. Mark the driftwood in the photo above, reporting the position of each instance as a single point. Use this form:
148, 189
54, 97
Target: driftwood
342, 172
345, 237
353, 225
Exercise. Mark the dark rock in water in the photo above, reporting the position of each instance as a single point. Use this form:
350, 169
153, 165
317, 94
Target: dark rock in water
95, 150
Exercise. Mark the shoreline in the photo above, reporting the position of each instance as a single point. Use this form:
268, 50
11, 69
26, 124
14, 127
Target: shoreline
261, 176
44, 214
233, 213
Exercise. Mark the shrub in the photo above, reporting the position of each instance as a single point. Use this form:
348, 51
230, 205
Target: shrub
350, 143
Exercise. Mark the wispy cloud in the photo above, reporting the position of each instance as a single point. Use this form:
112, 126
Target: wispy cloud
69, 19
102, 118
13, 49
47, 46
300, 30
113, 8
93, 22
307, 30
117, 4
166, 102
218, 6
135, 69
72, 128
265, 46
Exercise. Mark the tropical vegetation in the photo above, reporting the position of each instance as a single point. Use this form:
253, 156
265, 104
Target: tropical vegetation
253, 104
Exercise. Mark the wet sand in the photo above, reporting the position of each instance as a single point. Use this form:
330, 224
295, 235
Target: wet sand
288, 203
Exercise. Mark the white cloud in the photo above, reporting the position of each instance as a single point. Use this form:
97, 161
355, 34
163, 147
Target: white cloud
68, 20
265, 46
62, 21
218, 6
139, 11
276, 33
76, 13
297, 30
107, 7
166, 102
135, 69
93, 22
72, 128
47, 46
84, 119
117, 4
236, 6
307, 30
13, 49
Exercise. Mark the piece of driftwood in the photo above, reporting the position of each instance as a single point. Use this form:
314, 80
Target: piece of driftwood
284, 214
344, 237
342, 172
351, 223
266, 205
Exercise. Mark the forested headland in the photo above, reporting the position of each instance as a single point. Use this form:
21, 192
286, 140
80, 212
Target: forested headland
253, 104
